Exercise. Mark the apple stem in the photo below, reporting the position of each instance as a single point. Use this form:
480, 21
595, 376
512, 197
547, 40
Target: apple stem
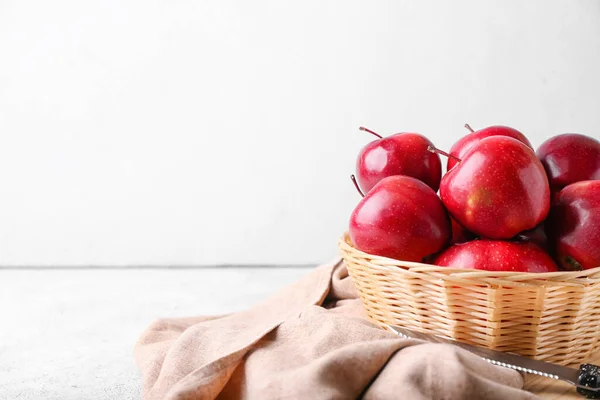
469, 128
356, 185
362, 128
436, 150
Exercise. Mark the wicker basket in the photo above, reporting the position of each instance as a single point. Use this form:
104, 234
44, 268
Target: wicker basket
551, 316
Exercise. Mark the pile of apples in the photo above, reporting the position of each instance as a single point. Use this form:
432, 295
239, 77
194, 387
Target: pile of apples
501, 206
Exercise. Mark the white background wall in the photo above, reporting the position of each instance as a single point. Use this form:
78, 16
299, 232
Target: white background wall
201, 132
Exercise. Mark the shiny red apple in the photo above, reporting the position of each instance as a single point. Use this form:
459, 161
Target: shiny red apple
570, 158
399, 154
498, 189
401, 218
497, 255
460, 148
573, 226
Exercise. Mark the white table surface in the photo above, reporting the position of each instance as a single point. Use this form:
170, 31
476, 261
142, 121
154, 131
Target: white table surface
69, 334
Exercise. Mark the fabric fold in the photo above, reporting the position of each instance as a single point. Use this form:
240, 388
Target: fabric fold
309, 340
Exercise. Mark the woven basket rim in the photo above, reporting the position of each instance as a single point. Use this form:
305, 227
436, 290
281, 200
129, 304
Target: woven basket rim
387, 263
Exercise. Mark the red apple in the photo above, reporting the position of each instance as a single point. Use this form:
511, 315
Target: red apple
401, 218
459, 233
570, 158
497, 255
536, 235
399, 154
573, 226
498, 189
460, 148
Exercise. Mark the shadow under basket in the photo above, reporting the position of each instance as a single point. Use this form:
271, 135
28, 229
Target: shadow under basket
552, 316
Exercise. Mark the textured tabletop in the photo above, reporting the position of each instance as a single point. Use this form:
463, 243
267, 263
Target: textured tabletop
69, 334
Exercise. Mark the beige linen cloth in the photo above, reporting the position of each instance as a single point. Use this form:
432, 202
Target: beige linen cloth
309, 341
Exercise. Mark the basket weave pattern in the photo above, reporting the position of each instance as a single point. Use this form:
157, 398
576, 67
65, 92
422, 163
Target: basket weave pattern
552, 316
